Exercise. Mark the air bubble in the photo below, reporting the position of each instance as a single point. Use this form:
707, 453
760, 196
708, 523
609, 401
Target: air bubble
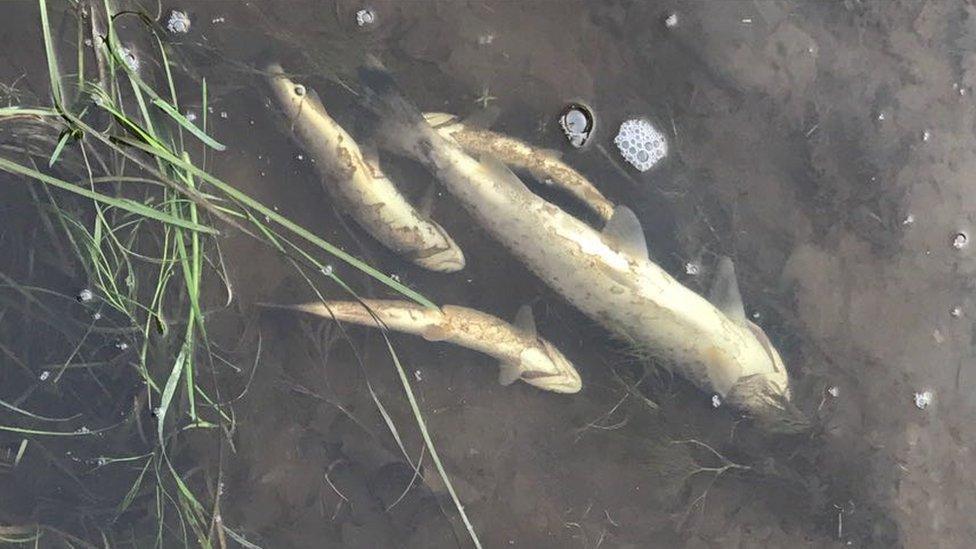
960, 240
641, 144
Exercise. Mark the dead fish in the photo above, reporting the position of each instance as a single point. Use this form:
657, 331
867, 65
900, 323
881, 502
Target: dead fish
544, 165
353, 178
607, 275
521, 353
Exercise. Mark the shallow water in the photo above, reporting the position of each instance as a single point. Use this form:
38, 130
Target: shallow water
826, 148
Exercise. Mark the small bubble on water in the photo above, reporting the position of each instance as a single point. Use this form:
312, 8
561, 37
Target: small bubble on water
327, 270
926, 135
923, 399
909, 219
418, 376
300, 157
671, 21
960, 240
86, 295
223, 114
83, 430
102, 461
97, 315
956, 312
833, 391
692, 268
881, 116
365, 16
190, 115
44, 375
179, 22
395, 277
121, 345
716, 401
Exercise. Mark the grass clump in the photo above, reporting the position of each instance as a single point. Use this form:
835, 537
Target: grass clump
107, 376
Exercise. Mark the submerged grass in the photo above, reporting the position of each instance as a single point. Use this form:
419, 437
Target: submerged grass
128, 209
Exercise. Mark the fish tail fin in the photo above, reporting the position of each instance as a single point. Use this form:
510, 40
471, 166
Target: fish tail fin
398, 122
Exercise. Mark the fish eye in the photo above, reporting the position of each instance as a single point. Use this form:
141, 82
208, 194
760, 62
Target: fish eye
299, 90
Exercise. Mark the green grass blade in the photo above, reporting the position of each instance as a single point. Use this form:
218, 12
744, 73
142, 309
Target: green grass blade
246, 200
122, 203
186, 124
133, 491
52, 61
65, 136
168, 391
239, 538
26, 111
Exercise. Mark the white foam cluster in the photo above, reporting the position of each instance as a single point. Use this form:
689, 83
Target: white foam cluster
641, 143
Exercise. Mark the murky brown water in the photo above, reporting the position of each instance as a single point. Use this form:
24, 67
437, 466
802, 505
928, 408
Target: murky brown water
827, 148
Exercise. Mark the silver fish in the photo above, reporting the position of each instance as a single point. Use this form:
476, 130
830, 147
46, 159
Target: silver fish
355, 180
521, 353
545, 165
607, 275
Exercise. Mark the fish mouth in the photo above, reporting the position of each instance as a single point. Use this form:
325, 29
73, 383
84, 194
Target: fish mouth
561, 378
767, 401
562, 382
447, 260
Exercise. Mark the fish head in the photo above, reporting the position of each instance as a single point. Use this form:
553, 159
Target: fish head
543, 366
762, 397
446, 260
291, 97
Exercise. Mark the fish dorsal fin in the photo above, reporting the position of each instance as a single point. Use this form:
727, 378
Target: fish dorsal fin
725, 291
438, 119
624, 232
482, 119
525, 320
500, 171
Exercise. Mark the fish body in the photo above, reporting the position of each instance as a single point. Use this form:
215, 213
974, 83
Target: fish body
521, 353
354, 179
626, 292
545, 165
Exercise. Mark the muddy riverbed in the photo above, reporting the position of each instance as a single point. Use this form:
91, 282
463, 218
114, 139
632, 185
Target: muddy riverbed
826, 148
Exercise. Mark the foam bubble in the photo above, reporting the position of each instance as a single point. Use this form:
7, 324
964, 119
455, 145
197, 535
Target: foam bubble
641, 144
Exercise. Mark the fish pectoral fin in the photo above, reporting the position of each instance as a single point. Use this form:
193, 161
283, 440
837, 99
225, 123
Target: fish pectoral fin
724, 293
498, 170
438, 119
508, 373
435, 332
525, 319
625, 233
